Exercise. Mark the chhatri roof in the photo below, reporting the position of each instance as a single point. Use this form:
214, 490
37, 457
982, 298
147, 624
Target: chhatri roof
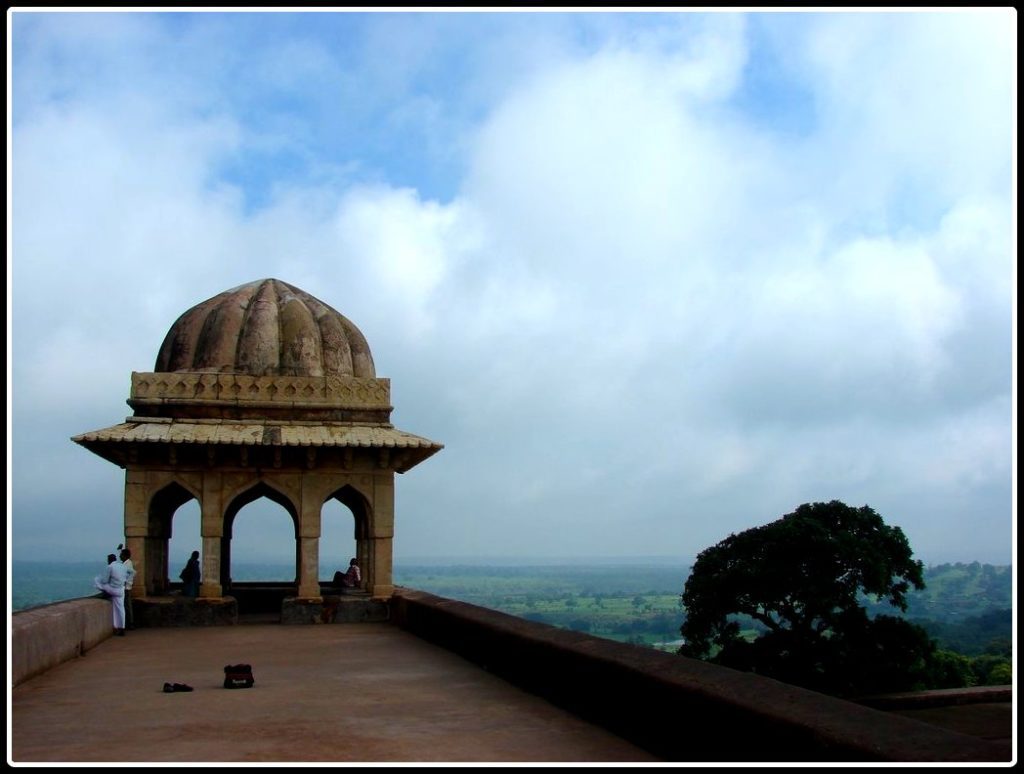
265, 328
262, 366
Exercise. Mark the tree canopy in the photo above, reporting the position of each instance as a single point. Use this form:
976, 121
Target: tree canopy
799, 581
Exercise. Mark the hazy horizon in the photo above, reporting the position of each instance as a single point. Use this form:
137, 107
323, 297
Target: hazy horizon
510, 561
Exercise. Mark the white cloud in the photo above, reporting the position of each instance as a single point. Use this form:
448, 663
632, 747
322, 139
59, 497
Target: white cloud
640, 322
915, 109
406, 244
973, 247
597, 168
872, 311
706, 60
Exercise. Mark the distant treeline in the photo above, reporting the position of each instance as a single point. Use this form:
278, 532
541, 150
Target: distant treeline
967, 608
952, 594
964, 607
988, 633
956, 592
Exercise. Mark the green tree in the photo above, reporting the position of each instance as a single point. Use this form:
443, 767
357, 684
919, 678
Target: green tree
992, 670
950, 669
1001, 674
801, 578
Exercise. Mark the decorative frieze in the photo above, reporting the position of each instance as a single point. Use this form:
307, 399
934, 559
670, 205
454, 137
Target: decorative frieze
333, 391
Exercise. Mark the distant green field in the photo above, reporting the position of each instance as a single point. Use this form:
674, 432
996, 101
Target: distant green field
629, 603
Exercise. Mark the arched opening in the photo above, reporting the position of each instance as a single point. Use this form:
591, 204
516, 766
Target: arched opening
173, 510
337, 539
263, 543
186, 537
345, 510
259, 539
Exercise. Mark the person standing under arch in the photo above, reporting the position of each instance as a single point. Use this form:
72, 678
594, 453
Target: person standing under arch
190, 576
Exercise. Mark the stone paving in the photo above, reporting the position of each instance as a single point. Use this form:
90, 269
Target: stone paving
330, 693
355, 693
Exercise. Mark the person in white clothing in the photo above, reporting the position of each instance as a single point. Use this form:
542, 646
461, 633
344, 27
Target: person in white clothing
129, 579
111, 583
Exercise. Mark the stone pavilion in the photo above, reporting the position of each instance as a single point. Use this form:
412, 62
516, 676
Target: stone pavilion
261, 391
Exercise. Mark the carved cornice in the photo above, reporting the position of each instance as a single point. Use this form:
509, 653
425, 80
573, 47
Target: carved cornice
188, 387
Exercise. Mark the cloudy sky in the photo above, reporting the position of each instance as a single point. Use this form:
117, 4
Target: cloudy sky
652, 278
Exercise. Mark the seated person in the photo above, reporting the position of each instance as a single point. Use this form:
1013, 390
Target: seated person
349, 579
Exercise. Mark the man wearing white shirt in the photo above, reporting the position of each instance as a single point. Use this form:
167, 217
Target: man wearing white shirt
129, 579
111, 583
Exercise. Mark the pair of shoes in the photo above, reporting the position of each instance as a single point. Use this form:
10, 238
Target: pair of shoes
119, 632
177, 688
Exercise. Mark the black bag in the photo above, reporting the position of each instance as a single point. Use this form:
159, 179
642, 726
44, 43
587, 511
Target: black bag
238, 676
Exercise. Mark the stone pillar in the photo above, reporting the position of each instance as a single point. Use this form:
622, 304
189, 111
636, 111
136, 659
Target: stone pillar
212, 530
136, 532
225, 563
309, 550
151, 570
163, 561
309, 568
363, 558
137, 545
361, 532
379, 582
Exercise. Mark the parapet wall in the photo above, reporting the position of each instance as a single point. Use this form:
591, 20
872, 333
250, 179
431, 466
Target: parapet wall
678, 708
46, 636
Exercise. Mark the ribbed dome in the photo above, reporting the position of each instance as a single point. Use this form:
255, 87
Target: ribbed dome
265, 328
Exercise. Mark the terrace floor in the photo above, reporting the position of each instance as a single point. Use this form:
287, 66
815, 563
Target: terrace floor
338, 693
350, 693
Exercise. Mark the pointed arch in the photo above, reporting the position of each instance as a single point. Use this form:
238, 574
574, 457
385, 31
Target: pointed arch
164, 503
254, 492
362, 516
337, 539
